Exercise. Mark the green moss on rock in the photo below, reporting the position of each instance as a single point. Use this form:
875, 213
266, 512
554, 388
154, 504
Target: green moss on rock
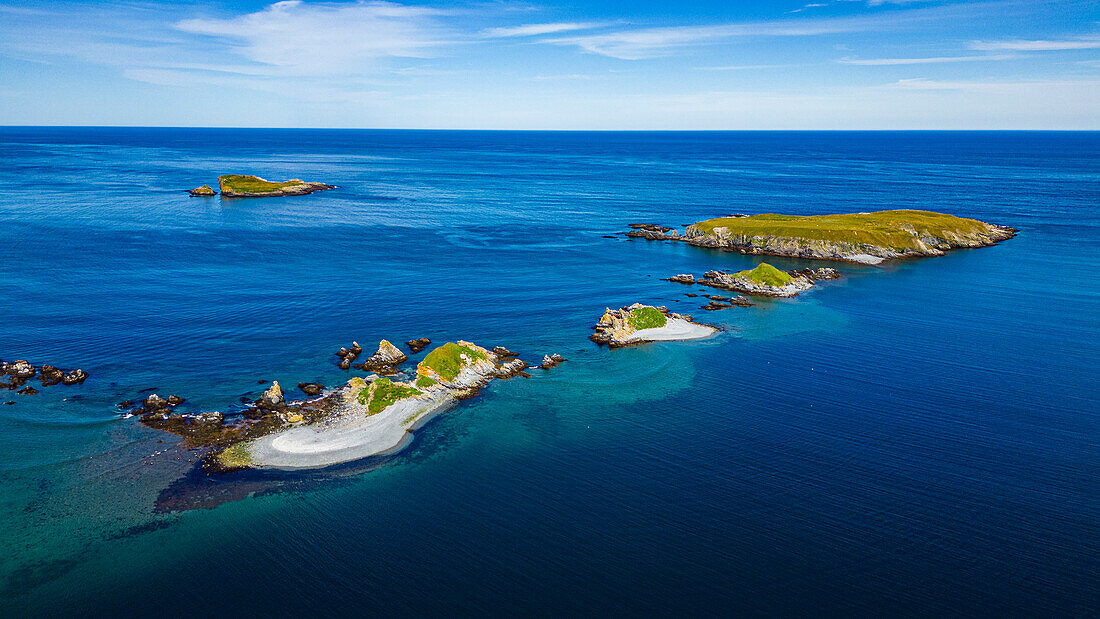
766, 275
446, 360
384, 392
646, 317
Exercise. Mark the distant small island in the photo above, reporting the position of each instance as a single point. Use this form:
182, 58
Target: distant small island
246, 186
637, 324
869, 238
764, 280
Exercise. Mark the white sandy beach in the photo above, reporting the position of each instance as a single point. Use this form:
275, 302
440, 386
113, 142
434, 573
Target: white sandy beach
674, 329
350, 436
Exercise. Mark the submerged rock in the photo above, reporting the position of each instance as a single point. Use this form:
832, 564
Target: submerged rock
28, 390
501, 351
418, 344
311, 388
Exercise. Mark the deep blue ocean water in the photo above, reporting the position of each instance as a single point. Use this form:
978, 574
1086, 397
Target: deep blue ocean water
917, 438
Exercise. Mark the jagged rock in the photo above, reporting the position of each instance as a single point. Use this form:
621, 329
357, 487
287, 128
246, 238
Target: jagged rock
311, 388
550, 361
49, 375
345, 363
204, 191
28, 390
19, 369
355, 348
125, 404
501, 351
683, 278
175, 400
154, 402
272, 398
385, 359
418, 344
75, 377
717, 297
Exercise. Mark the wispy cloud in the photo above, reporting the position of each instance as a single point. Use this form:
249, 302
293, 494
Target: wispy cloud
982, 86
1037, 46
639, 43
310, 39
878, 62
528, 30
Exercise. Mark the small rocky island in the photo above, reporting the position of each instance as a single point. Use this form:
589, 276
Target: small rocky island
869, 238
367, 416
246, 186
206, 191
15, 374
763, 280
637, 324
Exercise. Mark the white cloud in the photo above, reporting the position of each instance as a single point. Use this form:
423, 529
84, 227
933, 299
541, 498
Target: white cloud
876, 62
1037, 46
1001, 87
311, 39
536, 29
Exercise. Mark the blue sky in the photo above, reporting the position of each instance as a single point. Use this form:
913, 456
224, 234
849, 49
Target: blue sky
610, 64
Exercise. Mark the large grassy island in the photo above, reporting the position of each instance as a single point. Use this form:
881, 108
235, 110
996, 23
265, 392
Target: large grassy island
857, 237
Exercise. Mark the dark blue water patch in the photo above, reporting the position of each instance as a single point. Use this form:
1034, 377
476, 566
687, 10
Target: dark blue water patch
918, 437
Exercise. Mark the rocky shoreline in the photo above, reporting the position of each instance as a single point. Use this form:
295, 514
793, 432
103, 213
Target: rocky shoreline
868, 238
247, 186
366, 416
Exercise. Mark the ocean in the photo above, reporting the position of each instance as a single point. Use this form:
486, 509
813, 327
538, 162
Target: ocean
916, 438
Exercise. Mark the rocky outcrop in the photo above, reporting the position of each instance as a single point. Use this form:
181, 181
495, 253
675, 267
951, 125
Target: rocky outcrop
857, 237
551, 361
203, 192
348, 355
385, 360
740, 282
418, 344
20, 371
273, 398
683, 278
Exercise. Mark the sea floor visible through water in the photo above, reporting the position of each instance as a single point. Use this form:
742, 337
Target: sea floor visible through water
917, 437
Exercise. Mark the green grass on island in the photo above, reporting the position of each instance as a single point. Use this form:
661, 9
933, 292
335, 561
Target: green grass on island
646, 318
897, 230
382, 393
243, 183
425, 381
446, 360
767, 275
235, 456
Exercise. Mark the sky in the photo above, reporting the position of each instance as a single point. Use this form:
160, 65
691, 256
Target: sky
544, 64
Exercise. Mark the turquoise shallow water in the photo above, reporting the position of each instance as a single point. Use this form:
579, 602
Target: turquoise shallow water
920, 437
